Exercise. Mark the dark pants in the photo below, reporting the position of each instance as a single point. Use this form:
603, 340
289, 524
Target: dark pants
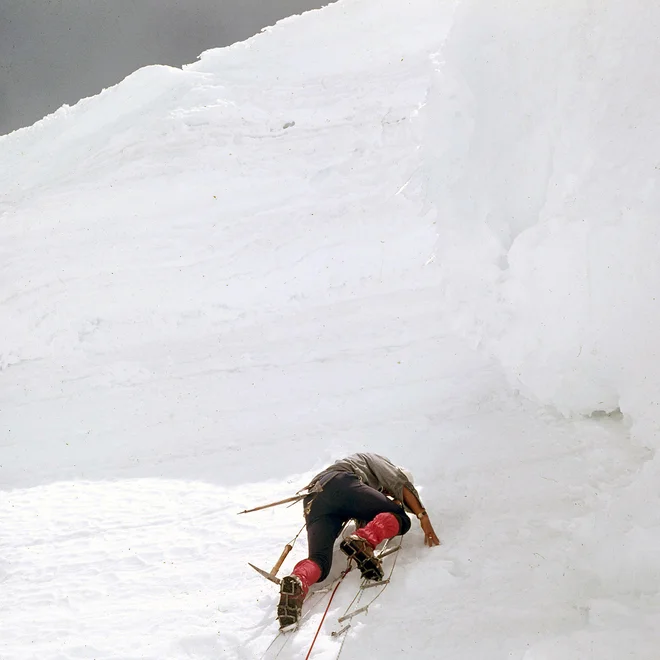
343, 497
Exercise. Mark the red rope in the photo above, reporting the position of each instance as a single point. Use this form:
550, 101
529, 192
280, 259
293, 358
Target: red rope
343, 575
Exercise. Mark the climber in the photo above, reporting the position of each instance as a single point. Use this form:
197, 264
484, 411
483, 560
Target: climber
369, 489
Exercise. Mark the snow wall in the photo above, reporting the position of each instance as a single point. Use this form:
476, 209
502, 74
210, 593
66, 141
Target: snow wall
540, 142
539, 154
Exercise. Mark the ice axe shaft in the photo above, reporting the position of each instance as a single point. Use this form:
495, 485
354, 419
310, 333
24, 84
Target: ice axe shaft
316, 488
285, 553
295, 498
271, 576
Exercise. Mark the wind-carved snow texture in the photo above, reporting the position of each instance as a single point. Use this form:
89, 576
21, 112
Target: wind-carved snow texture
411, 228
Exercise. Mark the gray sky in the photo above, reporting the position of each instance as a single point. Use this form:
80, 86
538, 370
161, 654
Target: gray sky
59, 51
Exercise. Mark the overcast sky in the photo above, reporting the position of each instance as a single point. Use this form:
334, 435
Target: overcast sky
59, 51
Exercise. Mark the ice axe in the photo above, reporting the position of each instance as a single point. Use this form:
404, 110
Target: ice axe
271, 576
317, 488
294, 499
287, 548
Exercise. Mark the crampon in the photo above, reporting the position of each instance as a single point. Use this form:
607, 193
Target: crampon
291, 601
359, 550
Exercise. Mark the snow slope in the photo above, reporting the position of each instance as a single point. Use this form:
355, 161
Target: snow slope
417, 228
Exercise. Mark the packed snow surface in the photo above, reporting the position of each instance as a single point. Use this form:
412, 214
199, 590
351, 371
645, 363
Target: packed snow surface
425, 229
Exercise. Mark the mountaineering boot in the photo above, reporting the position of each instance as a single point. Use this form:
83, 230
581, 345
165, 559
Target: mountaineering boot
293, 590
357, 548
361, 545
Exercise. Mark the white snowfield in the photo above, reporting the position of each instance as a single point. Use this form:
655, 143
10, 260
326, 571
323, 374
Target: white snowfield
420, 228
